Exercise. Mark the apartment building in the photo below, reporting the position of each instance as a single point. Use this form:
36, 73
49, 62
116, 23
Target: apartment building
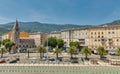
56, 34
39, 38
106, 36
75, 34
81, 35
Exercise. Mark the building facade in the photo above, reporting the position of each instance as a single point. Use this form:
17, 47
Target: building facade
21, 39
39, 38
106, 36
77, 34
93, 37
56, 34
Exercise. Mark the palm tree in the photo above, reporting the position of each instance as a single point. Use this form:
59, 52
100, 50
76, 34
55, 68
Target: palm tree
101, 51
86, 51
2, 51
57, 51
118, 51
72, 51
0, 43
41, 50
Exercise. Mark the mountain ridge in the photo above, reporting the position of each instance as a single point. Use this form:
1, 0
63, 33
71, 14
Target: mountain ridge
46, 27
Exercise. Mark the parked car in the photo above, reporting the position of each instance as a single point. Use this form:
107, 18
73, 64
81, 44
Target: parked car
51, 59
60, 58
74, 60
111, 52
2, 61
13, 61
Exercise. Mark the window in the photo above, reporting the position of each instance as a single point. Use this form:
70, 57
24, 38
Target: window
95, 33
98, 32
117, 40
102, 32
102, 36
98, 36
95, 40
102, 39
91, 36
113, 32
91, 32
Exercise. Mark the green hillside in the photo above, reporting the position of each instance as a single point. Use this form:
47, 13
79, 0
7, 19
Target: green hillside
40, 27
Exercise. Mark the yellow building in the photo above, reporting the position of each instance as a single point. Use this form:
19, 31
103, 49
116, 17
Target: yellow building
39, 38
106, 36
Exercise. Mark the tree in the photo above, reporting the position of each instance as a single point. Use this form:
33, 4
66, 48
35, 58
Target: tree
4, 41
60, 43
52, 41
9, 45
57, 51
86, 51
76, 44
2, 51
71, 51
41, 50
101, 51
0, 43
118, 51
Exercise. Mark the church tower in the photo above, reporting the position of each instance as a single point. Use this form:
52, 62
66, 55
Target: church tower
16, 35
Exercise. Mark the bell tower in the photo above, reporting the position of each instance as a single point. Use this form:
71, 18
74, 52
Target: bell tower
16, 35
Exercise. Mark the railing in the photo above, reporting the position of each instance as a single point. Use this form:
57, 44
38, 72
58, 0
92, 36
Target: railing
58, 69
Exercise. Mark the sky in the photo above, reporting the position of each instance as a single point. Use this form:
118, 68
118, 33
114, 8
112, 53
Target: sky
81, 12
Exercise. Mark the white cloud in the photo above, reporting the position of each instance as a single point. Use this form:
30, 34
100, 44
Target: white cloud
4, 20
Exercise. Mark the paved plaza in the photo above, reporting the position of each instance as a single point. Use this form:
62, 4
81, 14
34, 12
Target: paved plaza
24, 66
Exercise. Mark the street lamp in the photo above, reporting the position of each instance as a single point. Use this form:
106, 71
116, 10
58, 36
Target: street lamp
2, 48
47, 49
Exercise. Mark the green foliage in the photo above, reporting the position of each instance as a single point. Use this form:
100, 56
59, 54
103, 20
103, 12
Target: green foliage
2, 51
5, 41
60, 43
57, 51
38, 27
9, 45
41, 50
0, 43
54, 42
72, 50
76, 44
101, 51
86, 51
118, 51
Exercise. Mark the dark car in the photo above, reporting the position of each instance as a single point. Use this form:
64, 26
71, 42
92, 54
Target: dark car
3, 61
13, 61
60, 58
51, 59
74, 60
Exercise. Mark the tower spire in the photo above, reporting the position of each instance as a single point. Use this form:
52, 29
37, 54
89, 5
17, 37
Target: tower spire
16, 26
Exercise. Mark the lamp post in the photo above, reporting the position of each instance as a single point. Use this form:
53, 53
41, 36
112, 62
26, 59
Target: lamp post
2, 48
47, 48
28, 53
